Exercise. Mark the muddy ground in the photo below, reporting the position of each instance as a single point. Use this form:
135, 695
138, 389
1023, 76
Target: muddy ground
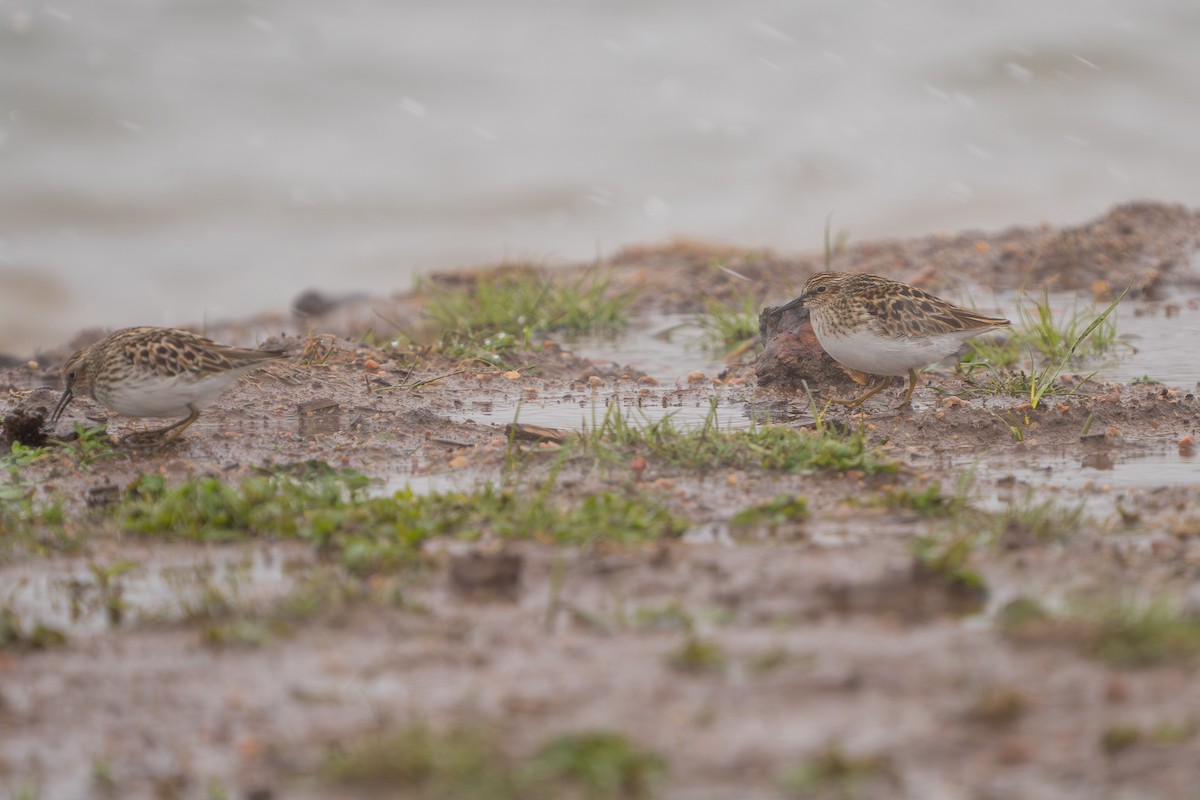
829, 643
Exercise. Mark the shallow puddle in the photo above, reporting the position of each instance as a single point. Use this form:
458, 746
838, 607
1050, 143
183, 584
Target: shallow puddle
665, 346
79, 597
588, 411
1091, 467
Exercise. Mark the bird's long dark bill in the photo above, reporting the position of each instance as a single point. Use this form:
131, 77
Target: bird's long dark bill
63, 402
797, 303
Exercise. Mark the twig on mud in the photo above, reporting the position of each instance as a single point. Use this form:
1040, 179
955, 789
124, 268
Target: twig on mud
420, 383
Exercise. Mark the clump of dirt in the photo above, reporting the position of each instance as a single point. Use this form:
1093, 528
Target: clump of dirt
26, 426
792, 357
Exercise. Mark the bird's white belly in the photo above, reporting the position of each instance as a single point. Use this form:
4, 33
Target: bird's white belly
882, 355
163, 397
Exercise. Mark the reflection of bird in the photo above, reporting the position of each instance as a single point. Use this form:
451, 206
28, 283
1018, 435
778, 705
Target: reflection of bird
156, 372
884, 327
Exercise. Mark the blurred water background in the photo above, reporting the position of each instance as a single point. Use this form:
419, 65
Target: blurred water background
170, 161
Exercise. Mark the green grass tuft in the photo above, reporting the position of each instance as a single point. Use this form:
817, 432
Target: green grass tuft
835, 774
528, 302
1131, 636
730, 328
1050, 337
16, 635
696, 656
367, 533
602, 763
706, 446
420, 762
780, 510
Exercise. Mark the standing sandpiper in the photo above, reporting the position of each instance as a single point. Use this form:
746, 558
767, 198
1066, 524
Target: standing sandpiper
884, 327
156, 372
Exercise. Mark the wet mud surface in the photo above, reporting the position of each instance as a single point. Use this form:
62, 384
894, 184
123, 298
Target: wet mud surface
830, 636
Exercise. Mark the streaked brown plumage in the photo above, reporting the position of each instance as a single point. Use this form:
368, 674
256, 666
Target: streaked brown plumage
156, 372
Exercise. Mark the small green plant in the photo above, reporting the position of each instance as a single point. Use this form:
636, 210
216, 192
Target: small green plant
780, 510
108, 582
1019, 613
697, 656
998, 706
1030, 519
929, 502
31, 524
89, 446
420, 762
706, 446
1050, 337
103, 781
15, 635
605, 765
1119, 738
1124, 634
25, 791
671, 616
1000, 382
731, 328
22, 456
835, 774
425, 763
1132, 636
947, 560
527, 302
1170, 732
1049, 342
368, 533
496, 350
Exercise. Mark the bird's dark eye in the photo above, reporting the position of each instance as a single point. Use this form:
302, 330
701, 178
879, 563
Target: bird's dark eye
71, 375
822, 289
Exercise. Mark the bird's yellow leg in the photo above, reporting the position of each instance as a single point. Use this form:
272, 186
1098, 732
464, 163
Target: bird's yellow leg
880, 382
912, 384
173, 432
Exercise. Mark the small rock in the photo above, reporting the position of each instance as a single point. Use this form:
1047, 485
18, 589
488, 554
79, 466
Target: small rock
695, 376
481, 575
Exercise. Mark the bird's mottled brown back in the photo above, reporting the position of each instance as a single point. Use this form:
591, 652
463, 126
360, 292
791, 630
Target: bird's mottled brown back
903, 310
168, 352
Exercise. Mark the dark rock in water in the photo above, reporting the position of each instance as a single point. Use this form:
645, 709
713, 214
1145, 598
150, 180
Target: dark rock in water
313, 304
792, 355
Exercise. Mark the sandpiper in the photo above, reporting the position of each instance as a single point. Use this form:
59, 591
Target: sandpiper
884, 327
156, 372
